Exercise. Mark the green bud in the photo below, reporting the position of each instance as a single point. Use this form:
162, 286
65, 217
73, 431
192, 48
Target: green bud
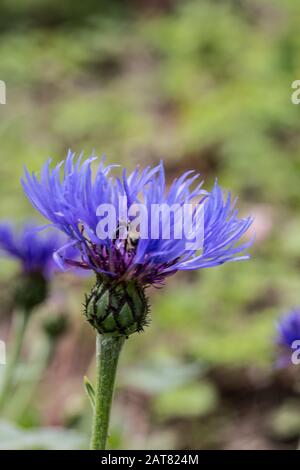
30, 290
117, 309
55, 326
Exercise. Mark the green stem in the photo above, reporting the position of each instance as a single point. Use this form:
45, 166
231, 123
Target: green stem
108, 350
17, 337
21, 321
23, 398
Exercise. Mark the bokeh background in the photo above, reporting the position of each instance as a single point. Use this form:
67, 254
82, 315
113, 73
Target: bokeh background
205, 86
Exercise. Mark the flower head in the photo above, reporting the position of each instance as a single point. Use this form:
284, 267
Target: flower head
134, 251
33, 249
35, 252
71, 203
288, 331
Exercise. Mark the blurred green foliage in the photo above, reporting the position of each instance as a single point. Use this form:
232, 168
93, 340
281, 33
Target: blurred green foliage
13, 438
185, 402
203, 85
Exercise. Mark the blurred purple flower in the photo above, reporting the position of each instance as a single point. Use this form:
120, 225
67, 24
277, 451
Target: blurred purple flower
288, 328
33, 249
71, 203
288, 331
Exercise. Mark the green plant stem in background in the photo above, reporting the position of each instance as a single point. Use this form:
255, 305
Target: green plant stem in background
22, 399
108, 350
19, 329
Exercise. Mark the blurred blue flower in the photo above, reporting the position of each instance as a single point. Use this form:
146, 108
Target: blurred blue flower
288, 328
33, 249
288, 331
71, 203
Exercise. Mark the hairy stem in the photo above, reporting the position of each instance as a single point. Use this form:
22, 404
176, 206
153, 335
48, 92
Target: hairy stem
108, 350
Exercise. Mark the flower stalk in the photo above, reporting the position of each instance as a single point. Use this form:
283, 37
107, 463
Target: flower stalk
21, 322
130, 256
108, 350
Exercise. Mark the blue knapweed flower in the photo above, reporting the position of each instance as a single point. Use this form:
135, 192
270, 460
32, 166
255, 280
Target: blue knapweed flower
288, 331
71, 205
33, 249
35, 253
128, 260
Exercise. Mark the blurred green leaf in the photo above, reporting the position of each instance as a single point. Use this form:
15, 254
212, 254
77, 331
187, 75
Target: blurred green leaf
161, 375
284, 422
89, 388
192, 400
12, 437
